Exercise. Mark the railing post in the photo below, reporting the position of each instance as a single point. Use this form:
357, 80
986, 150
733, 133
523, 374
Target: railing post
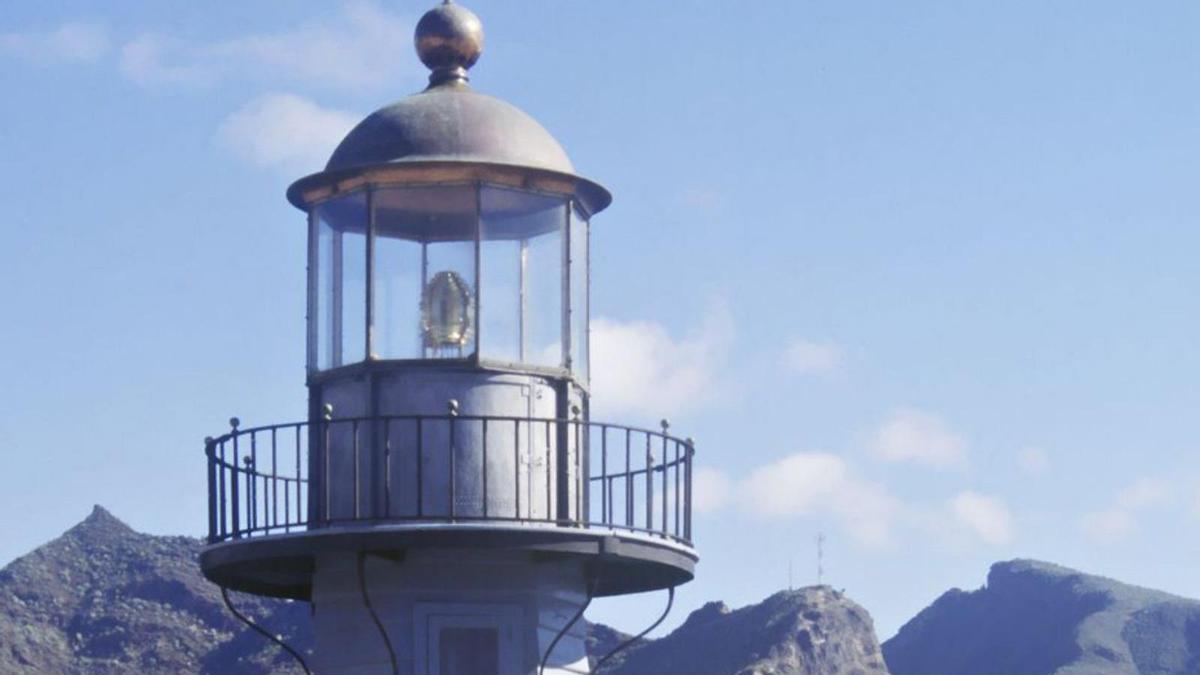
580, 514
452, 405
326, 495
251, 496
233, 482
665, 426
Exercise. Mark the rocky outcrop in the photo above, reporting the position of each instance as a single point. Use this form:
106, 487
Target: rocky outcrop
103, 598
811, 631
1035, 618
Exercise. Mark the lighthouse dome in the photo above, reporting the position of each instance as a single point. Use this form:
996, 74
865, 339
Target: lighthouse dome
450, 122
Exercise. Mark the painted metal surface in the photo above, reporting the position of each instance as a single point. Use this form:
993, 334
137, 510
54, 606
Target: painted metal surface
424, 597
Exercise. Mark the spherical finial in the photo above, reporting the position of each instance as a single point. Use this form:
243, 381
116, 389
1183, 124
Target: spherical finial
449, 40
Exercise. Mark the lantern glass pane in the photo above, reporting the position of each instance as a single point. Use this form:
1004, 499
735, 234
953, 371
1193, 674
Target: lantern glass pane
340, 285
424, 291
579, 294
522, 309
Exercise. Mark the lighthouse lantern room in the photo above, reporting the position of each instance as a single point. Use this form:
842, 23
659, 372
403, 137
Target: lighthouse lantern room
449, 507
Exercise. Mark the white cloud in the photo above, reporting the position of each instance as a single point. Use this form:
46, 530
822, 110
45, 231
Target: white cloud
638, 367
146, 60
1143, 493
1033, 461
362, 48
813, 358
284, 131
1108, 526
69, 43
1120, 520
913, 435
986, 518
821, 485
711, 490
815, 483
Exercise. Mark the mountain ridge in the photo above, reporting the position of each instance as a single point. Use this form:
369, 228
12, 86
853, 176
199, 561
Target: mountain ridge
1046, 619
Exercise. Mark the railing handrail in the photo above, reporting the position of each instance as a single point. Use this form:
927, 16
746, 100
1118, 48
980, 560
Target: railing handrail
239, 431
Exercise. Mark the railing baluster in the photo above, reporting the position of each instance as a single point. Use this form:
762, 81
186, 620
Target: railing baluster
549, 473
676, 467
252, 481
605, 506
579, 514
299, 513
387, 467
287, 505
420, 467
485, 468
687, 485
209, 455
628, 478
274, 479
664, 479
649, 484
357, 478
517, 468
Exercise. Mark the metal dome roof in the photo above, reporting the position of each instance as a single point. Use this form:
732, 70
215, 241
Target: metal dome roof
450, 122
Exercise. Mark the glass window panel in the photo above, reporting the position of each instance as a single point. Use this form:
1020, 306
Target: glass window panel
425, 289
523, 240
500, 301
397, 299
579, 294
341, 280
322, 313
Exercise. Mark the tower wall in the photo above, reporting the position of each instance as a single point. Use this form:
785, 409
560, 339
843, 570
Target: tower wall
404, 468
448, 613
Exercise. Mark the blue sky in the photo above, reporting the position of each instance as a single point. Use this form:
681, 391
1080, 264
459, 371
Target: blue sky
920, 276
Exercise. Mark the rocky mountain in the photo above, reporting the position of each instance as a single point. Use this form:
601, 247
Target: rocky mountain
105, 599
811, 631
1034, 618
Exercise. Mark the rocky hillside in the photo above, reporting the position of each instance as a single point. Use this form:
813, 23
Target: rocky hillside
1034, 618
812, 631
105, 599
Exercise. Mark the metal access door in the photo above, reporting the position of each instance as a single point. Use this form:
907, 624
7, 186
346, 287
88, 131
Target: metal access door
465, 639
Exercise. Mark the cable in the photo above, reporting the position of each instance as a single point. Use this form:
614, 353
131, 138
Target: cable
554, 643
362, 586
639, 636
262, 631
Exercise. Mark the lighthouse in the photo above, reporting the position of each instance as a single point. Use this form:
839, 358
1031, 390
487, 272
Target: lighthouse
448, 506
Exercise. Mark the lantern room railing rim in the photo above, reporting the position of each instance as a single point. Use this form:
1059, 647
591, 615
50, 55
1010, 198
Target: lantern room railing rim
245, 481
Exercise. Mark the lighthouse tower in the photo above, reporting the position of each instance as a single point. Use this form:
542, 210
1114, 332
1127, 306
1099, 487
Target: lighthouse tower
448, 507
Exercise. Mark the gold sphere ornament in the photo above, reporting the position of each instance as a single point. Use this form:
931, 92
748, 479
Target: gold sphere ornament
449, 40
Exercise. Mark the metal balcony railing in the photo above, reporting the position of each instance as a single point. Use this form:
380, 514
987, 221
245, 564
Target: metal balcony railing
412, 469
